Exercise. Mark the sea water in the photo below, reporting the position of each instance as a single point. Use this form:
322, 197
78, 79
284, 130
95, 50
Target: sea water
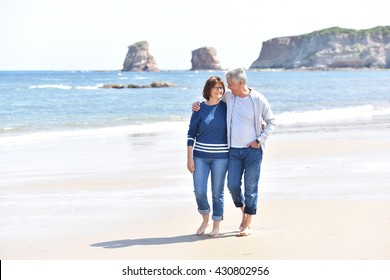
46, 104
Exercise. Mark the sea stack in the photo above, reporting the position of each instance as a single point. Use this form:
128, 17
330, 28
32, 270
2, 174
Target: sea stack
205, 59
138, 58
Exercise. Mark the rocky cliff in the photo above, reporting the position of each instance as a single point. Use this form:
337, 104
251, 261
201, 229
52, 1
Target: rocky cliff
138, 58
333, 47
205, 59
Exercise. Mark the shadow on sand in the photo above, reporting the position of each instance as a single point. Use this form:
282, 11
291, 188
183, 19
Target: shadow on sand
159, 240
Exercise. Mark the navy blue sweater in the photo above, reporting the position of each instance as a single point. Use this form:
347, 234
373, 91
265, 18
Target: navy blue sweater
208, 131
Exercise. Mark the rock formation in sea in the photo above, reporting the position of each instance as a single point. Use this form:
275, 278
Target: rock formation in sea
138, 58
156, 84
205, 59
328, 48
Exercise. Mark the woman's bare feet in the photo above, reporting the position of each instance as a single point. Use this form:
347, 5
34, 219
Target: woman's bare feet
204, 225
215, 232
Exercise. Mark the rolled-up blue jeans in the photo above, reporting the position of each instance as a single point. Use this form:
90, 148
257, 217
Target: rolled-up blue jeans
218, 169
247, 162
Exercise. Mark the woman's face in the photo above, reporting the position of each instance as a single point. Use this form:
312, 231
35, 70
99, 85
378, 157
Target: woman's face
217, 91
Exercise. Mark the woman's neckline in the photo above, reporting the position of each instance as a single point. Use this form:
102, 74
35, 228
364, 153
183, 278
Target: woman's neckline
206, 102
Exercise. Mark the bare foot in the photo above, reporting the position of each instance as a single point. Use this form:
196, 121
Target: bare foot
245, 228
215, 233
204, 224
243, 221
202, 228
245, 232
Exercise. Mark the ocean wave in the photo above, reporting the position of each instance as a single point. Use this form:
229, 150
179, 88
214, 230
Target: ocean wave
36, 137
89, 87
331, 115
65, 87
7, 129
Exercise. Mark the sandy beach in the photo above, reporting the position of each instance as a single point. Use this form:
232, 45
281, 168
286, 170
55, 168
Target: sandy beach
323, 196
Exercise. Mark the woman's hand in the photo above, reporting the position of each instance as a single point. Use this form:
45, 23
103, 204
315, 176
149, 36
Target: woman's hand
191, 165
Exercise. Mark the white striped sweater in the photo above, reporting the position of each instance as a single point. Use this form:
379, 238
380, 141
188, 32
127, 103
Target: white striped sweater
207, 130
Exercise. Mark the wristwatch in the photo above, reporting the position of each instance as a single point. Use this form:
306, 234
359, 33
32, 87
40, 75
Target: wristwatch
258, 142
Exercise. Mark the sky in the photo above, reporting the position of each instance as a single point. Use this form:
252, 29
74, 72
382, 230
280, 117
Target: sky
95, 34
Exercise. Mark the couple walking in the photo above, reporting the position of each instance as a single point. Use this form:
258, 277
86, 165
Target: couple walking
227, 133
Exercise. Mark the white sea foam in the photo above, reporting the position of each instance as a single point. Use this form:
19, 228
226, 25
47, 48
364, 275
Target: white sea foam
37, 137
331, 115
65, 87
89, 87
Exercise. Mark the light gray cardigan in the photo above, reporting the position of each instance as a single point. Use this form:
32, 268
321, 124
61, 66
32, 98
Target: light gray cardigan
262, 110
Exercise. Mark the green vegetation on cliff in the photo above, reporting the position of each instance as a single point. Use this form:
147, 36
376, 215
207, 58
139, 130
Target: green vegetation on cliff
384, 30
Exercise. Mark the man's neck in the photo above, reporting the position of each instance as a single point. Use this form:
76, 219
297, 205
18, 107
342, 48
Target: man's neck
244, 92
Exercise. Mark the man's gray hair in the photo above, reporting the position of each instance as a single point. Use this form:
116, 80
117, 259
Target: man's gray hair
236, 75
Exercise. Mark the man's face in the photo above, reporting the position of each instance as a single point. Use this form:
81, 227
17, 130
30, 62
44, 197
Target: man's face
233, 86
